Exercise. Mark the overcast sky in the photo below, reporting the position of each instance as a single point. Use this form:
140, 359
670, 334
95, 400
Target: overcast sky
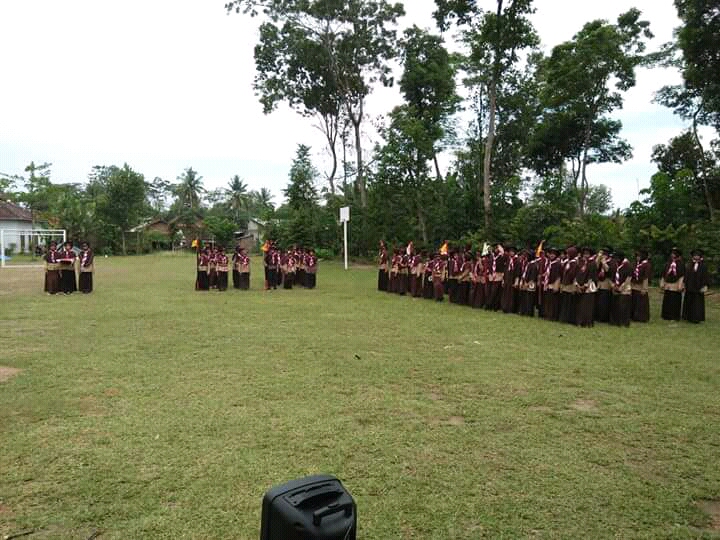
167, 84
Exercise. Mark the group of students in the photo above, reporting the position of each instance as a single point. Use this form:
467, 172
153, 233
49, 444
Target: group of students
66, 271
294, 267
213, 266
575, 286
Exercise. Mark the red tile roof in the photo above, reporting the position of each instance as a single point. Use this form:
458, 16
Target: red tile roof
10, 211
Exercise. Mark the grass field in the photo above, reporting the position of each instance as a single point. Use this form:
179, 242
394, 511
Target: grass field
149, 410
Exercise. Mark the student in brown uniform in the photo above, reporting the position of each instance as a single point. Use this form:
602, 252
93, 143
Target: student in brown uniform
454, 265
568, 289
300, 266
383, 267
606, 267
428, 291
202, 281
528, 285
507, 301
311, 268
621, 307
477, 293
672, 283
289, 265
497, 273
212, 268
464, 280
439, 275
243, 263
87, 268
586, 283
640, 286
551, 286
66, 259
541, 262
394, 272
415, 277
236, 267
403, 274
52, 269
696, 284
221, 269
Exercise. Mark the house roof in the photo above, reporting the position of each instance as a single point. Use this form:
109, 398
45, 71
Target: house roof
10, 211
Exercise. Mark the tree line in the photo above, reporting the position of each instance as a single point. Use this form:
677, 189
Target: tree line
524, 130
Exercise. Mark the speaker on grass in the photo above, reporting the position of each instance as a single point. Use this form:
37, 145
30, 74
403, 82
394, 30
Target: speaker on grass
313, 508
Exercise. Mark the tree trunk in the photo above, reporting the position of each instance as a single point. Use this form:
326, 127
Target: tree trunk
584, 188
437, 168
489, 142
360, 178
331, 178
123, 243
703, 164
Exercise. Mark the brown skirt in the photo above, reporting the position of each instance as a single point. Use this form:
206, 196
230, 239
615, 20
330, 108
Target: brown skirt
672, 306
551, 305
438, 289
585, 309
640, 307
52, 281
694, 308
603, 299
85, 282
621, 310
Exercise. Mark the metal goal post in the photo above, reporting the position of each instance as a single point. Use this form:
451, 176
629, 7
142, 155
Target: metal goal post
19, 236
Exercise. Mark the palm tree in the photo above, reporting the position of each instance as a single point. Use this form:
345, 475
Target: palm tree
237, 197
190, 188
265, 199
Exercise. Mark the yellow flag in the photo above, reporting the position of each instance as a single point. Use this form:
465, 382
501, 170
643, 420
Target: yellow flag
539, 249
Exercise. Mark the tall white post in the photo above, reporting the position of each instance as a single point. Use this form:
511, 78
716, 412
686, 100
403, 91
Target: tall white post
346, 248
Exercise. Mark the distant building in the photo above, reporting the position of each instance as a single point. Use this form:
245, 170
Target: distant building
256, 229
15, 218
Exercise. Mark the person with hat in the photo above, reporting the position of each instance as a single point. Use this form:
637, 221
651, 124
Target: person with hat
202, 281
394, 277
640, 287
428, 291
311, 268
507, 300
498, 266
606, 267
528, 284
696, 285
289, 266
415, 273
477, 290
67, 269
212, 267
621, 307
465, 279
568, 289
454, 266
439, 275
671, 284
87, 268
221, 269
299, 254
52, 269
551, 285
383, 267
586, 285
243, 267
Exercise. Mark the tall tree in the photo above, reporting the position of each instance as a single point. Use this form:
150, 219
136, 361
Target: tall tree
302, 200
581, 83
190, 188
355, 40
158, 191
496, 39
237, 198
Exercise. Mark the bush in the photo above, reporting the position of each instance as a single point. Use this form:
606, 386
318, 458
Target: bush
325, 254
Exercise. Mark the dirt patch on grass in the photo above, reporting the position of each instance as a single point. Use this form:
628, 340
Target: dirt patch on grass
5, 510
540, 408
112, 392
90, 406
712, 509
585, 405
6, 373
455, 421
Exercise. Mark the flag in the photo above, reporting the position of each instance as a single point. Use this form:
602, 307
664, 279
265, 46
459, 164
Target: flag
539, 249
195, 243
266, 247
444, 248
486, 249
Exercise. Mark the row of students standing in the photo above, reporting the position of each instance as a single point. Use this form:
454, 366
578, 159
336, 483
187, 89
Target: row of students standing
213, 267
66, 271
575, 286
296, 267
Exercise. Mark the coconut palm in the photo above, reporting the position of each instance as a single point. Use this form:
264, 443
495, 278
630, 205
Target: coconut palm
238, 197
190, 189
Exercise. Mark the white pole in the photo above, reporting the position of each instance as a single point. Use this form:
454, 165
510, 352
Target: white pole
64, 236
346, 250
2, 247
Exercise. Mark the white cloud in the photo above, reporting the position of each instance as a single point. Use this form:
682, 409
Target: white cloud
167, 84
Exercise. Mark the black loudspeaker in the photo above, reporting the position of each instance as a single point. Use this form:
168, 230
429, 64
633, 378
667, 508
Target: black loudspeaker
312, 508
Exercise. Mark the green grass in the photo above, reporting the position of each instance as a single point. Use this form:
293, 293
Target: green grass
149, 410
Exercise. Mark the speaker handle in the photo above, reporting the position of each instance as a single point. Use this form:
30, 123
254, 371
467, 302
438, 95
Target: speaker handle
314, 493
330, 509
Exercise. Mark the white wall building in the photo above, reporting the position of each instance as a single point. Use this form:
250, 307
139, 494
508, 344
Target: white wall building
15, 218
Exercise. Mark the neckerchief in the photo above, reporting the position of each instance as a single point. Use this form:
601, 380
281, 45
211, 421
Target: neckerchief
638, 266
617, 272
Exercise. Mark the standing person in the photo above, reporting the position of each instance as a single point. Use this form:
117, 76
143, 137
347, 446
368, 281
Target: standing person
271, 268
428, 291
383, 267
439, 275
52, 269
243, 264
202, 282
403, 274
497, 274
311, 268
67, 269
551, 286
568, 289
394, 272
528, 285
541, 263
606, 267
672, 283
696, 284
290, 268
453, 273
414, 267
221, 269
621, 307
300, 266
477, 294
277, 260
640, 285
586, 282
464, 279
87, 268
212, 267
507, 300
236, 267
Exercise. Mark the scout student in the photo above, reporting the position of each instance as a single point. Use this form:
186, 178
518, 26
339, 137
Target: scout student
67, 269
497, 274
52, 269
586, 285
86, 268
551, 285
606, 267
568, 289
639, 285
621, 307
202, 281
236, 267
382, 267
528, 284
696, 284
465, 279
507, 300
243, 266
428, 289
311, 268
221, 269
289, 266
671, 283
439, 274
